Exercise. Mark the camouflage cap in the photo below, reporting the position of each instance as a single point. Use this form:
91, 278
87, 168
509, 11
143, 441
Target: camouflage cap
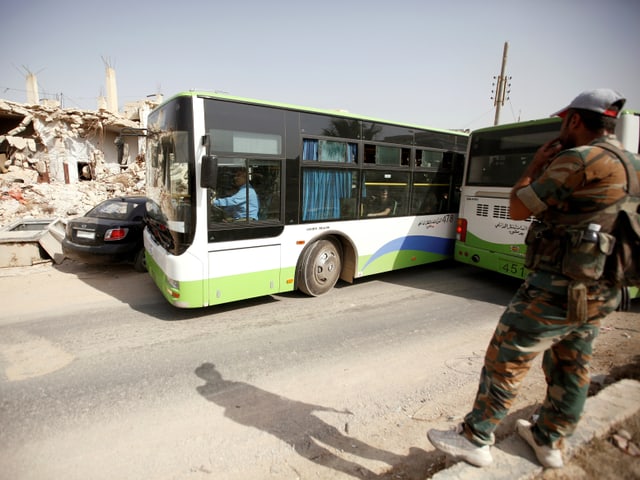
601, 100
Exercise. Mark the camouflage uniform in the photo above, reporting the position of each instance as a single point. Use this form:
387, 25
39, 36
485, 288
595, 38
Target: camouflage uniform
539, 318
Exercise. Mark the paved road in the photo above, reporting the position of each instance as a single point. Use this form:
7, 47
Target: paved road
103, 379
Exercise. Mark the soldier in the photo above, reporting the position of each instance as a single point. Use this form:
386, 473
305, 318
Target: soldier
558, 308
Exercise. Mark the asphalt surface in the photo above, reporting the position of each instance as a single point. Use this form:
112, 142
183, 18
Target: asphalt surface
513, 459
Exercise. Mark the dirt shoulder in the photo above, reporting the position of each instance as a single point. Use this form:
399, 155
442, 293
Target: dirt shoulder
44, 288
616, 356
604, 458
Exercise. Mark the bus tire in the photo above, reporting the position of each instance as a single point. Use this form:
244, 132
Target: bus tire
140, 261
320, 267
625, 300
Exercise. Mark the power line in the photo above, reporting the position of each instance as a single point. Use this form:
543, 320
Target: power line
478, 118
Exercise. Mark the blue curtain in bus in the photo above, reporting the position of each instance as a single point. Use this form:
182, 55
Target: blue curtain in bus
324, 192
310, 149
353, 153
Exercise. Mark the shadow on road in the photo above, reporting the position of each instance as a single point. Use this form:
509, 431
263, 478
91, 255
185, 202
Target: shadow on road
138, 291
124, 284
447, 277
291, 421
453, 278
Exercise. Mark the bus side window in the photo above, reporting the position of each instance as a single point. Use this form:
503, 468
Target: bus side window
400, 195
378, 202
405, 157
431, 194
384, 193
430, 203
329, 194
265, 179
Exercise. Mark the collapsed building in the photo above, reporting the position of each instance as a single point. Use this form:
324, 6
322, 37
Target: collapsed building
58, 163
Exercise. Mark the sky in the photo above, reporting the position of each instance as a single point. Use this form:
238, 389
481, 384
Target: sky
421, 62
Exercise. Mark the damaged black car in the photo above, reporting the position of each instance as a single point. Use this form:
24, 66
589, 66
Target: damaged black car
111, 232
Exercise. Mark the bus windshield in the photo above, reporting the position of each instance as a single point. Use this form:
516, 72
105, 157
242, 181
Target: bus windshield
497, 157
170, 176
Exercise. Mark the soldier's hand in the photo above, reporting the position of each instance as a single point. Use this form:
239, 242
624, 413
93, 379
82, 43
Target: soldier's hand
544, 155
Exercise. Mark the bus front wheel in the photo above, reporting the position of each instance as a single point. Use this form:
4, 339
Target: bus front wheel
320, 268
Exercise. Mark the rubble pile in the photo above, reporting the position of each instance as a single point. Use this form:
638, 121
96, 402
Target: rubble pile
22, 197
59, 163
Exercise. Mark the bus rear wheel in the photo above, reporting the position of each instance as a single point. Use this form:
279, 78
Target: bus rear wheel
625, 301
320, 268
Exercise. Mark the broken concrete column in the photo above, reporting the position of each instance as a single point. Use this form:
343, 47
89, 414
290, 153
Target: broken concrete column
57, 161
112, 91
32, 89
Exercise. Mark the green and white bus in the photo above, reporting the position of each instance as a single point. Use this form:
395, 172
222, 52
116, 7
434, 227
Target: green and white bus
486, 235
328, 195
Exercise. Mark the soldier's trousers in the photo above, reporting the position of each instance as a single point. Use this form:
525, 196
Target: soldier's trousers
535, 321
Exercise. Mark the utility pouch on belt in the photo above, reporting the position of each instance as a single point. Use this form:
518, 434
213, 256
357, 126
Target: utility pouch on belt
585, 254
577, 303
543, 247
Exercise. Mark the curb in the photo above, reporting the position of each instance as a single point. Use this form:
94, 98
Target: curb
513, 459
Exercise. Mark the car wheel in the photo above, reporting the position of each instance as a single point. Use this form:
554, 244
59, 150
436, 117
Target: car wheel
140, 261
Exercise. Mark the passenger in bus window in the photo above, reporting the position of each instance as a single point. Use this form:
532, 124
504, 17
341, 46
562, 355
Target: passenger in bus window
435, 202
382, 205
430, 203
235, 206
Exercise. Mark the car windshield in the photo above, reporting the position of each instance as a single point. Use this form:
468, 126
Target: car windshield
115, 209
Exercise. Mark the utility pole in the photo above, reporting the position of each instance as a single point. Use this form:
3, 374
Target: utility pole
501, 86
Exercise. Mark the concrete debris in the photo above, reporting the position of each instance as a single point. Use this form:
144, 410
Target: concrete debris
622, 439
21, 242
51, 240
58, 163
22, 197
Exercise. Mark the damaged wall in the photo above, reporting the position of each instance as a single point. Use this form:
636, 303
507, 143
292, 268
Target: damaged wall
60, 140
61, 162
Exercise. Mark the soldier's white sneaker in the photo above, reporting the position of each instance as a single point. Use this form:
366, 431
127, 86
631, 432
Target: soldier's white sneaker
547, 456
454, 443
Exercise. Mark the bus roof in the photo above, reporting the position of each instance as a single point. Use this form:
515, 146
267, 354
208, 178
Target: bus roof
528, 123
341, 113
539, 121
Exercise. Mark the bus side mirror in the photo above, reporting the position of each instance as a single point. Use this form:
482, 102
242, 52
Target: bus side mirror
209, 171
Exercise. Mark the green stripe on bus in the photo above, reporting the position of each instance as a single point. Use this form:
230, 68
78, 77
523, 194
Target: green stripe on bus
194, 293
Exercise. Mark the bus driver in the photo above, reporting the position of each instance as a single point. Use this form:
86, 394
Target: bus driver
235, 205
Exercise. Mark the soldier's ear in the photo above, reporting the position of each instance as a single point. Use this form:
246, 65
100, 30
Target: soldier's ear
575, 120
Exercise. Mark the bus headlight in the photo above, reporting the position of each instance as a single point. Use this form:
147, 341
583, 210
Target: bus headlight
173, 288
